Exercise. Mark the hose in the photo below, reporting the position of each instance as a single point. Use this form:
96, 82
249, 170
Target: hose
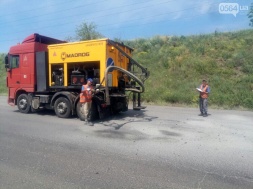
111, 68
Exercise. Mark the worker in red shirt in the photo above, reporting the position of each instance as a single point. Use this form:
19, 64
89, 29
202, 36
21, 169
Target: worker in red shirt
86, 100
204, 91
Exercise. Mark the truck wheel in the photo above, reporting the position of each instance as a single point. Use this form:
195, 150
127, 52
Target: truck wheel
23, 103
62, 107
79, 111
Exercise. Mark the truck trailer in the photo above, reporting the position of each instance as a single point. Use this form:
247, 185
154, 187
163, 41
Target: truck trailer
48, 73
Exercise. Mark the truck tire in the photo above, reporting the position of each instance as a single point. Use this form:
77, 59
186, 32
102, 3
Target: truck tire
79, 111
62, 107
23, 103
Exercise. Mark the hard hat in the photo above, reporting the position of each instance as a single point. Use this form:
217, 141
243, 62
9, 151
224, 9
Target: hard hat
89, 79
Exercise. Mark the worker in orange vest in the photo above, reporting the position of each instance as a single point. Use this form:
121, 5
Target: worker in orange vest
204, 91
86, 100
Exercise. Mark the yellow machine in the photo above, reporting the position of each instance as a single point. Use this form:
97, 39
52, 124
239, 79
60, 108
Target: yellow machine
108, 63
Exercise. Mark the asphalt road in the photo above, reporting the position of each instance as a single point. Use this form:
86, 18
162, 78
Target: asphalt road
160, 147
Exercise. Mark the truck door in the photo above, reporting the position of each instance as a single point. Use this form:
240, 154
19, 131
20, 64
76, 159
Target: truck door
25, 69
14, 73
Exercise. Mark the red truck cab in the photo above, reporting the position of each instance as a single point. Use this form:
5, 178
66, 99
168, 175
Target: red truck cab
20, 63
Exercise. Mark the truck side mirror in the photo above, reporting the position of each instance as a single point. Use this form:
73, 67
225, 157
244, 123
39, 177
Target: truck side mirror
7, 65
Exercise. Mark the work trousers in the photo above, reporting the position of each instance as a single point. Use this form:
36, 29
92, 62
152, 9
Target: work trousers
203, 103
86, 108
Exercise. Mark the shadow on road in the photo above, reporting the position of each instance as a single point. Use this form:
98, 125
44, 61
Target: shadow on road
121, 119
116, 121
42, 112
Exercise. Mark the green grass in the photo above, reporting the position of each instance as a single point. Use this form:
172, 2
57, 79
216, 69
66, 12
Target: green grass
178, 65
3, 88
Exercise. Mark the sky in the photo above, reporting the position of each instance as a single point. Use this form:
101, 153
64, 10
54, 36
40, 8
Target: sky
122, 19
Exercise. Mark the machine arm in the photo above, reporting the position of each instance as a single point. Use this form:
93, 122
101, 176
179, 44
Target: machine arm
144, 70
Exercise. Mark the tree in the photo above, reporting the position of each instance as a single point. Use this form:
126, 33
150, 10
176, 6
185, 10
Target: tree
250, 15
69, 39
87, 31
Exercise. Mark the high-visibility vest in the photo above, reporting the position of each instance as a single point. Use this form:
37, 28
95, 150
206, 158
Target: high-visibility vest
86, 94
204, 89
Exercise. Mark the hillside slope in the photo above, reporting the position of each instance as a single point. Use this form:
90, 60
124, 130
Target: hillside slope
178, 65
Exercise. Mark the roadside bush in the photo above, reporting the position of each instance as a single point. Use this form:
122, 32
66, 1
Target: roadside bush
3, 88
248, 102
